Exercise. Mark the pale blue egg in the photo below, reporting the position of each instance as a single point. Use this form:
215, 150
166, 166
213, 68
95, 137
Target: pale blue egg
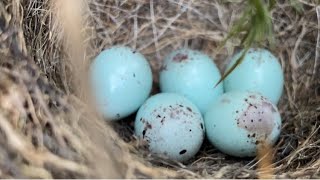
240, 120
193, 74
121, 81
171, 125
259, 71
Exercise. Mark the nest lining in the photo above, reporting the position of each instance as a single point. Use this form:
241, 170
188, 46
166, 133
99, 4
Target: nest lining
48, 132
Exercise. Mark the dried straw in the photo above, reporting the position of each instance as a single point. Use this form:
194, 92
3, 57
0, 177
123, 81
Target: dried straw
73, 141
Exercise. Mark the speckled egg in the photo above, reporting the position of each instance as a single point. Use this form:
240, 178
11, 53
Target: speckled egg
192, 74
239, 120
121, 81
171, 125
259, 71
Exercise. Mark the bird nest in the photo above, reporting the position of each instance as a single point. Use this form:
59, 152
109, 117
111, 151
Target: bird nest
48, 128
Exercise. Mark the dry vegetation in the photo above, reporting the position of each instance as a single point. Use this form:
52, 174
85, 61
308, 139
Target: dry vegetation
49, 130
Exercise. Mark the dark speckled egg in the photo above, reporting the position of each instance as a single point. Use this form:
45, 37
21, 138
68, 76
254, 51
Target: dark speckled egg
239, 120
171, 125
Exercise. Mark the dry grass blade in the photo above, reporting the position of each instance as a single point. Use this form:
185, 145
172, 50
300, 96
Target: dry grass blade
317, 56
70, 23
69, 17
37, 158
265, 158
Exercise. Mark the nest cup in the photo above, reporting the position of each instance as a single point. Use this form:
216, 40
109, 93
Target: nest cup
49, 128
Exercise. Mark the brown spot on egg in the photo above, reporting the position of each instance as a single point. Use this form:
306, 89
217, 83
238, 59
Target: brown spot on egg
162, 120
163, 67
183, 152
258, 125
142, 120
189, 109
180, 57
148, 126
144, 133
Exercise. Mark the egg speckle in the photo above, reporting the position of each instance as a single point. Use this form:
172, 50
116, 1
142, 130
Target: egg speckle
121, 80
192, 74
239, 120
171, 125
259, 71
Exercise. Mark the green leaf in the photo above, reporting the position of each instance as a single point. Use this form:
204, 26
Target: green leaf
236, 64
256, 23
